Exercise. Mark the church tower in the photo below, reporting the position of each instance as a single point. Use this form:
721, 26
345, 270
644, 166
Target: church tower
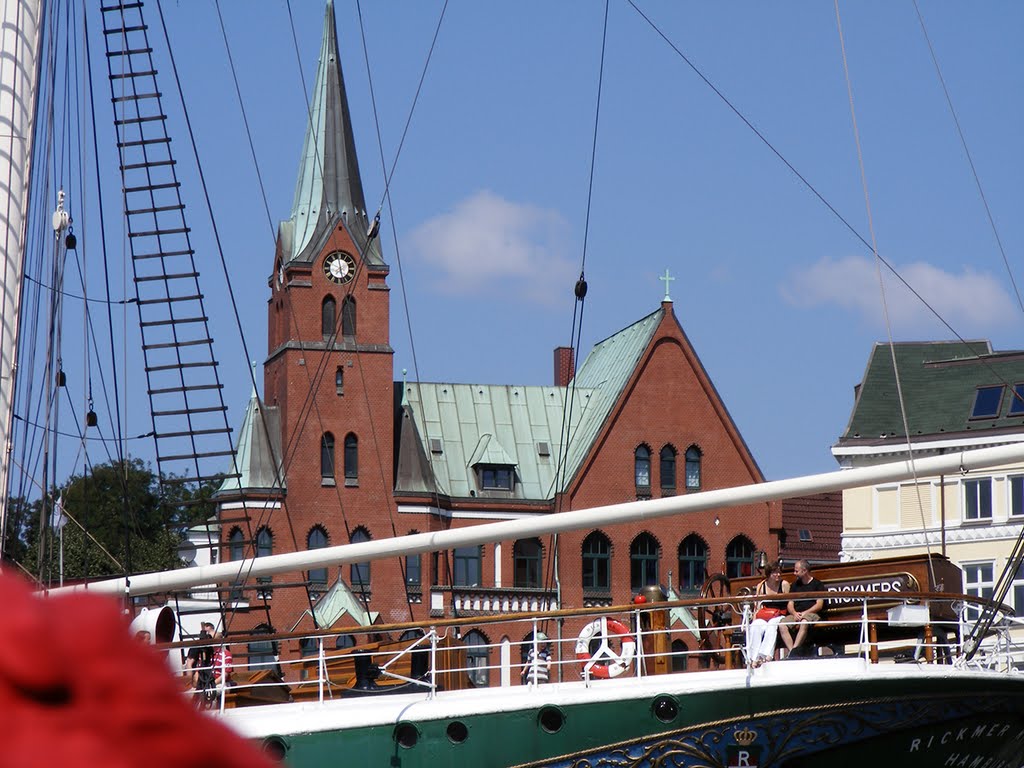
328, 371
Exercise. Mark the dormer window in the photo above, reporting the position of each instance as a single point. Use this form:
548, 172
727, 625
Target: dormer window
1017, 401
987, 401
496, 477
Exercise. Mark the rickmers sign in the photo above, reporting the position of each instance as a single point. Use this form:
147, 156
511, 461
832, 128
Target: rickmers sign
895, 583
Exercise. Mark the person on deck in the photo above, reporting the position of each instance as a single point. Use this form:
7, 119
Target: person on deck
199, 662
764, 629
222, 665
537, 664
802, 613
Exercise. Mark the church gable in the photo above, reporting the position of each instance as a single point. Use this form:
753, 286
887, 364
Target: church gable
667, 417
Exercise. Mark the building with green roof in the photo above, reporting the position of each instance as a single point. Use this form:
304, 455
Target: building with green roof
949, 396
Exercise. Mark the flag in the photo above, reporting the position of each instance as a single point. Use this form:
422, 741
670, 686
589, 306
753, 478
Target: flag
57, 517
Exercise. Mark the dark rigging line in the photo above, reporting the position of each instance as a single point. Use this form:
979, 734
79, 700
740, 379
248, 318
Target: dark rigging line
817, 194
388, 177
967, 152
580, 292
412, 108
231, 295
245, 119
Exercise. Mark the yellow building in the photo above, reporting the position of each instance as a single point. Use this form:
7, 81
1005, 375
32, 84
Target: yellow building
957, 396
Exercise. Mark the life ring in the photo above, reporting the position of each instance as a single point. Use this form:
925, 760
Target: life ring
605, 662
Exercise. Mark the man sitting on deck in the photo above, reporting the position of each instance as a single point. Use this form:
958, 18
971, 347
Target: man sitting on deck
803, 613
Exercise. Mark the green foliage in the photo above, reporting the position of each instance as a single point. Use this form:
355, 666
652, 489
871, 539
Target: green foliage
121, 521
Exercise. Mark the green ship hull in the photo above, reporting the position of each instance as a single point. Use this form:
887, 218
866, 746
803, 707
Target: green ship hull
827, 712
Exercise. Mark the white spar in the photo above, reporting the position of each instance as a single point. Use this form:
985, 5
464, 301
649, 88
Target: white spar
184, 578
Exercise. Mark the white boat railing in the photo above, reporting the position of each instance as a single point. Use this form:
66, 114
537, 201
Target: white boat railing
592, 645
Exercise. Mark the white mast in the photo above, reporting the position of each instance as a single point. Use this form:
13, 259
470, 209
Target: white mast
19, 74
184, 578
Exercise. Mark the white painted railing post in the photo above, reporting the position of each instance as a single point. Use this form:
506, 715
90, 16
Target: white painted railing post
506, 663
433, 662
321, 667
640, 660
864, 633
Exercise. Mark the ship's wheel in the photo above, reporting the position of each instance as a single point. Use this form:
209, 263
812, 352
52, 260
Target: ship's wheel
715, 619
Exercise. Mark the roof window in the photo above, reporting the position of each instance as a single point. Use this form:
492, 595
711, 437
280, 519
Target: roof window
805, 534
987, 401
1017, 401
496, 477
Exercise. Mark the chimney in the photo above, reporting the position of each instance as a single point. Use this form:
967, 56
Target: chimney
564, 366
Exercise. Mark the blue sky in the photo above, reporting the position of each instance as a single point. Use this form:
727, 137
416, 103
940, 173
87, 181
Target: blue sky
489, 199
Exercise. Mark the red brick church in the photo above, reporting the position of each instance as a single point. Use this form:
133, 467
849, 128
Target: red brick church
338, 451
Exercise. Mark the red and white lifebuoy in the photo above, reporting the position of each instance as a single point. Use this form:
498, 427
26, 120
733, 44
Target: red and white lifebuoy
605, 662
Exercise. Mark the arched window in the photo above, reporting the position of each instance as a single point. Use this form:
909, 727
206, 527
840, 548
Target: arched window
264, 548
679, 655
327, 456
643, 561
317, 539
414, 569
668, 471
642, 470
345, 641
264, 542
739, 558
467, 562
328, 317
236, 544
236, 551
262, 652
596, 563
478, 658
308, 646
348, 317
359, 572
339, 380
693, 563
351, 457
527, 562
693, 468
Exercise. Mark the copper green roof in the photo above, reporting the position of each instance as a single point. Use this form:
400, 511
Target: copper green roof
463, 425
256, 451
328, 190
940, 381
449, 429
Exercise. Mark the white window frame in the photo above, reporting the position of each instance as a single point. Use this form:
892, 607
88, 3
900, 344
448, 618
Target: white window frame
967, 486
1010, 512
1017, 589
981, 587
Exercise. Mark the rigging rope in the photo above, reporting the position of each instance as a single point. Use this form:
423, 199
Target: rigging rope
967, 153
881, 290
576, 334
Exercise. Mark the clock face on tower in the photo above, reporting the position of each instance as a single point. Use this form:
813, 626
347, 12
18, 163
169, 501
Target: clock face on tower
339, 267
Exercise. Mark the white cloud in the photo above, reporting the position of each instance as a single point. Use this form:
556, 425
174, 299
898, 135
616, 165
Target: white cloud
971, 302
487, 243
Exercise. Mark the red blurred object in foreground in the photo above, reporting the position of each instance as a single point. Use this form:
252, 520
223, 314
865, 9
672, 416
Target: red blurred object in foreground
76, 689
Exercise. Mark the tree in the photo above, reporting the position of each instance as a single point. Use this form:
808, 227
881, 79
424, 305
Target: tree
119, 521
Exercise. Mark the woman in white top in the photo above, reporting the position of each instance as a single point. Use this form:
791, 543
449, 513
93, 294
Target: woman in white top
764, 629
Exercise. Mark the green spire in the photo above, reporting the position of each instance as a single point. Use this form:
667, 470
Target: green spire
328, 188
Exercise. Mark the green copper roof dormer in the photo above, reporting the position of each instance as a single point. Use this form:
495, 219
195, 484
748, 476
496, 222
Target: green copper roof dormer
329, 189
489, 451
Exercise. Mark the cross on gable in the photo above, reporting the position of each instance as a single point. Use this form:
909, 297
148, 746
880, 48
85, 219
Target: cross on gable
666, 278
